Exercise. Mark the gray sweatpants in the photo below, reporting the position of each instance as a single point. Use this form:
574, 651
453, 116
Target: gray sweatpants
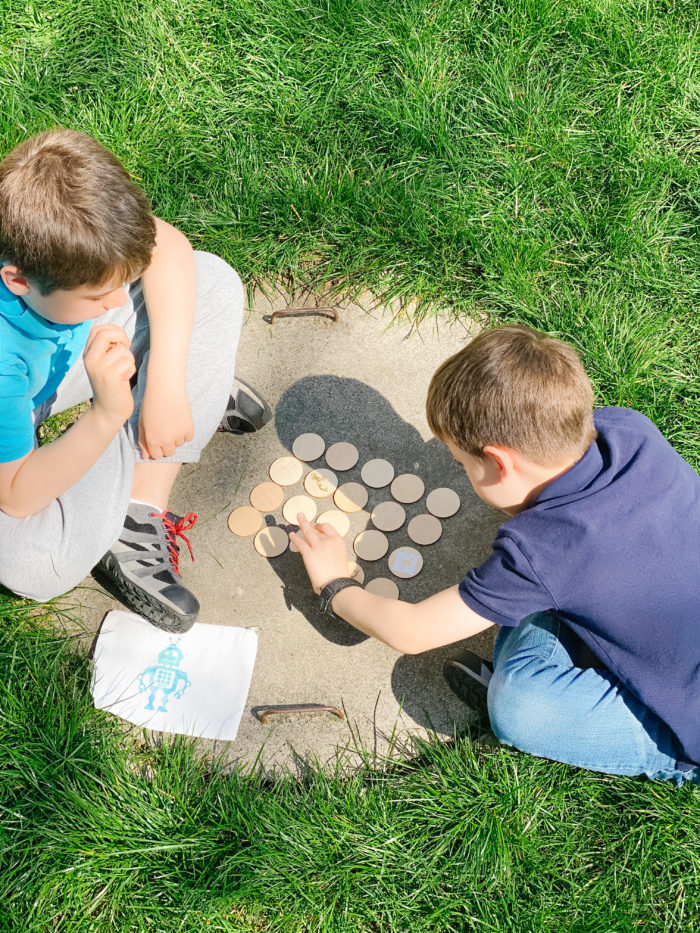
49, 553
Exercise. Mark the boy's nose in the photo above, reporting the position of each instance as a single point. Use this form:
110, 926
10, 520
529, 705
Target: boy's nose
115, 299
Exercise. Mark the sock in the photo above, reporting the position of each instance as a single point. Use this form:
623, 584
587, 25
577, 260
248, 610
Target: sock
150, 505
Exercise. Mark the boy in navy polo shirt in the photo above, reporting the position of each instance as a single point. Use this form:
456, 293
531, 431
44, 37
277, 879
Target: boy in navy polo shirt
100, 300
600, 557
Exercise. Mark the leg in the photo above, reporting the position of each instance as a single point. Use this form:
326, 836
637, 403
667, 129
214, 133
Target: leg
542, 703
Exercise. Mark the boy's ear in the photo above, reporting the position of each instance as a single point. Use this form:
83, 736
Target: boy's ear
13, 280
501, 458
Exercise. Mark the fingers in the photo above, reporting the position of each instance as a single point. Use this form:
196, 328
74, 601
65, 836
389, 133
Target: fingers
104, 334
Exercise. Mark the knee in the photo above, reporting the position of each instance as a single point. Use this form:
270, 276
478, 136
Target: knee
219, 286
518, 710
35, 586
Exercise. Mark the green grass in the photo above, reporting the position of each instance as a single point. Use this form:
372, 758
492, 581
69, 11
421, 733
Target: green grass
103, 833
531, 160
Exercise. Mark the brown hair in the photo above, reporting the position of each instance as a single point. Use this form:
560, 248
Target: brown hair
70, 215
517, 388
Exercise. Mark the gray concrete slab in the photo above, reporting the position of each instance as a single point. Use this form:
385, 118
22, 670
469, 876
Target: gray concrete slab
363, 379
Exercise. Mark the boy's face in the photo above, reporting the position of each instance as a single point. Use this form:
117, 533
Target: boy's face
65, 306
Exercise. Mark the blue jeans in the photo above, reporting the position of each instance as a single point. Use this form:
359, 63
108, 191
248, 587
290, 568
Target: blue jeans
542, 703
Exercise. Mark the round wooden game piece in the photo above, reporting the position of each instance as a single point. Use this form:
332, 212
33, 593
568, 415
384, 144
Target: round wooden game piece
266, 497
443, 502
297, 504
424, 529
245, 521
407, 488
285, 471
356, 572
351, 497
383, 586
338, 520
321, 483
388, 516
308, 446
377, 473
405, 562
271, 541
371, 545
342, 456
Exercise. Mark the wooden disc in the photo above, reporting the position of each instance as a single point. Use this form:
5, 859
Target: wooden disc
285, 471
356, 572
383, 586
308, 446
266, 497
245, 521
371, 545
405, 562
271, 541
388, 516
407, 488
321, 483
298, 504
425, 529
443, 502
351, 497
338, 520
377, 473
342, 456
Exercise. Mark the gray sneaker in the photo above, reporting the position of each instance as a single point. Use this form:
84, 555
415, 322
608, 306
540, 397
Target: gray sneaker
143, 566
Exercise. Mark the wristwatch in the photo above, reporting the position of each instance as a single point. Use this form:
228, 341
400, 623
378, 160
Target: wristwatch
331, 589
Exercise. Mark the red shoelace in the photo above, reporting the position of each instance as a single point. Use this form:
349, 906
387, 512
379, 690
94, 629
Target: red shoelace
173, 531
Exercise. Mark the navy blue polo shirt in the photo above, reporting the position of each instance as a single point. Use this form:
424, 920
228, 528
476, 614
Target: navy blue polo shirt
35, 355
613, 545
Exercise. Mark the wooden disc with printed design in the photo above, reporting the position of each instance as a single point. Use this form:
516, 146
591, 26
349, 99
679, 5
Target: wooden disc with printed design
320, 483
405, 562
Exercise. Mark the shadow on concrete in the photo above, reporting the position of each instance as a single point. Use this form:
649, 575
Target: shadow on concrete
344, 409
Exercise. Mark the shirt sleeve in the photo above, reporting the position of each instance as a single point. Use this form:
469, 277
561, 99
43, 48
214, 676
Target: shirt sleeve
16, 422
505, 588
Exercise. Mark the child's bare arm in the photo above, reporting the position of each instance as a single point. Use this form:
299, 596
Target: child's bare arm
169, 292
28, 484
407, 627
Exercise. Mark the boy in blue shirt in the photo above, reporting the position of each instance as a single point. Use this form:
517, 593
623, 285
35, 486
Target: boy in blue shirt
600, 556
100, 300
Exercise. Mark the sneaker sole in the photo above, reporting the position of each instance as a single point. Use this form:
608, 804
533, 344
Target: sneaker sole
467, 688
134, 597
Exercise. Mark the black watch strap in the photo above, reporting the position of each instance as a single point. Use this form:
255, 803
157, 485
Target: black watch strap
331, 589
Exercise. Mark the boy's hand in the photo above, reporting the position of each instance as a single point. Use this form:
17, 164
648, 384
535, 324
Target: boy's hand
110, 365
323, 552
165, 421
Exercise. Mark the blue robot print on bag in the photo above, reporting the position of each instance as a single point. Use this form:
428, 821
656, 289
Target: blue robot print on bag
164, 678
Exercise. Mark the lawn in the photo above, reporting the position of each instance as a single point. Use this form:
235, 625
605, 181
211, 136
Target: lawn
531, 160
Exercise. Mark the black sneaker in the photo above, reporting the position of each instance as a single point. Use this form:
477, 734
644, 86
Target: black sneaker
468, 677
246, 411
143, 566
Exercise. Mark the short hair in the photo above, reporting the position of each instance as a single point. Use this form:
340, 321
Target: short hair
70, 215
517, 388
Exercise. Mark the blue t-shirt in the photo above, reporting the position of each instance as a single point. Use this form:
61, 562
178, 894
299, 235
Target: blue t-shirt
35, 355
613, 546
